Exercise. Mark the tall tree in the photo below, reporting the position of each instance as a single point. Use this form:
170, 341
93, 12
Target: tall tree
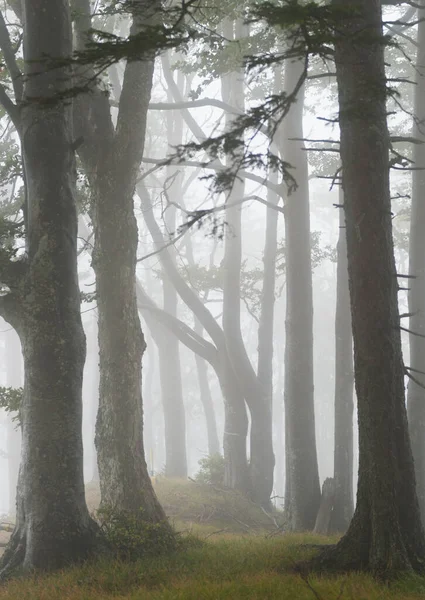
302, 489
111, 158
343, 504
53, 527
385, 534
416, 295
262, 460
169, 346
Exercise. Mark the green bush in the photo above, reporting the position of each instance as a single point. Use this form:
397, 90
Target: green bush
131, 536
211, 470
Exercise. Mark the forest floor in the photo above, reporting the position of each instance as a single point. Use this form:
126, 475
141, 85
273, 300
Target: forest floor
231, 550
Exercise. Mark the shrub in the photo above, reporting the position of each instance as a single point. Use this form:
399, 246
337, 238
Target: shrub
211, 470
131, 536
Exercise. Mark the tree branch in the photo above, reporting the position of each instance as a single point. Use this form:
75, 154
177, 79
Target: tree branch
214, 166
183, 332
136, 91
189, 104
10, 60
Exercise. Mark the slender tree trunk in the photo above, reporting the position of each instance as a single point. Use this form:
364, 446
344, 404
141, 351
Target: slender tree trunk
207, 401
385, 534
343, 506
53, 527
111, 158
169, 347
416, 393
262, 460
302, 492
14, 379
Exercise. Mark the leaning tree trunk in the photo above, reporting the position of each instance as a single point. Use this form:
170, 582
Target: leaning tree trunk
53, 527
236, 426
111, 158
386, 534
343, 505
416, 393
302, 490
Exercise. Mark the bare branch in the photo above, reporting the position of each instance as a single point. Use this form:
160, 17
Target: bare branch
189, 104
277, 188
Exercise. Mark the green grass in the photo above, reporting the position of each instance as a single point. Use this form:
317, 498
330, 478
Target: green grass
232, 568
231, 551
204, 508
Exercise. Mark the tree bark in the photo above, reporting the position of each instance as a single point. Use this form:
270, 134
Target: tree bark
343, 507
53, 527
386, 534
111, 158
416, 294
302, 489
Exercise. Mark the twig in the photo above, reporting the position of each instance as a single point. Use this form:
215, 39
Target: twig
216, 532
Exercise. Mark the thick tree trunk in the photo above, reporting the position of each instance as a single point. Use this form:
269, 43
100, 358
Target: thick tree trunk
416, 393
302, 491
236, 472
111, 158
386, 534
344, 383
53, 527
124, 479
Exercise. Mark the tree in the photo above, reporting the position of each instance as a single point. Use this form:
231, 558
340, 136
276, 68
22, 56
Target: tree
111, 158
41, 301
385, 534
302, 487
416, 393
343, 504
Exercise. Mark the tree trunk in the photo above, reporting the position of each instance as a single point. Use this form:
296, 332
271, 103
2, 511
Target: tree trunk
207, 401
261, 464
53, 527
236, 424
169, 349
111, 158
302, 490
14, 379
236, 472
344, 383
416, 393
385, 535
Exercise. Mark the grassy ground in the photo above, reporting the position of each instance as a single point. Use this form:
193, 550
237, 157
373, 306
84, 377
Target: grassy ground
231, 551
235, 568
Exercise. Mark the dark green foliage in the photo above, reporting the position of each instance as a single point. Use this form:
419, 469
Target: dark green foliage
11, 400
211, 470
131, 536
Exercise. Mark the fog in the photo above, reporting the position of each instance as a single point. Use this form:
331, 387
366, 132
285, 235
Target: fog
176, 255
